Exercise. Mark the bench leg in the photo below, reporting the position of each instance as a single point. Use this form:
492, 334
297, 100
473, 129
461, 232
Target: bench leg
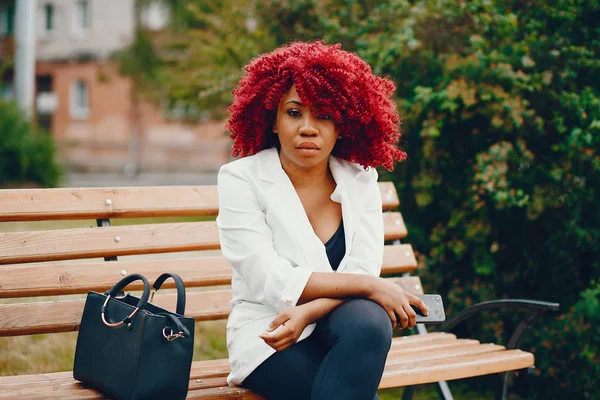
504, 381
444, 391
502, 386
442, 386
513, 343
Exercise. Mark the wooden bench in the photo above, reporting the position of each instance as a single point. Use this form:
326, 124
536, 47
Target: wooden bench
58, 262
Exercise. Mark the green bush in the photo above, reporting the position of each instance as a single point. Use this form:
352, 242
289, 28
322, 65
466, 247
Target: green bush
501, 191
26, 155
567, 351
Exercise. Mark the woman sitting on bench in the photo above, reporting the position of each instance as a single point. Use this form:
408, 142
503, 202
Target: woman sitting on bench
301, 222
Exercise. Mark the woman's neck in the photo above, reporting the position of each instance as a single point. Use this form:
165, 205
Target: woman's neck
303, 178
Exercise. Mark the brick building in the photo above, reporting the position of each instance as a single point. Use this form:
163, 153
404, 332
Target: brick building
89, 108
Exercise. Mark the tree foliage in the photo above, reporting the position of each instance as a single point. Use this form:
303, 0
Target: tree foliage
26, 155
196, 63
501, 107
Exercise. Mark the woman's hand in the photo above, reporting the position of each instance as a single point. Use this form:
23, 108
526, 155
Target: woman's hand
287, 327
396, 302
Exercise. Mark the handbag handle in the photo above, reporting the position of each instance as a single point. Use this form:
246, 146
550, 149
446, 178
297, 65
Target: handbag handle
180, 309
119, 288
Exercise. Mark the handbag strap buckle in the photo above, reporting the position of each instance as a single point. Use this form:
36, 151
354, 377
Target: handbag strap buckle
172, 336
127, 319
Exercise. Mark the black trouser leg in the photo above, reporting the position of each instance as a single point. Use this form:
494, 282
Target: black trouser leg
342, 360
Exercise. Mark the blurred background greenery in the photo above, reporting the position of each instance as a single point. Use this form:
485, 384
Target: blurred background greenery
501, 118
501, 109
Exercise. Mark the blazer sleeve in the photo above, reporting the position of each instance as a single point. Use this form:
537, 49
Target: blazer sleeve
247, 243
366, 255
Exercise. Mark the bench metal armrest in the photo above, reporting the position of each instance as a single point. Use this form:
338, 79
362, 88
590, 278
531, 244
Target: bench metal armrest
533, 307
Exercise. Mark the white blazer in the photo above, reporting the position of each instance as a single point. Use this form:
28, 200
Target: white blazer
268, 239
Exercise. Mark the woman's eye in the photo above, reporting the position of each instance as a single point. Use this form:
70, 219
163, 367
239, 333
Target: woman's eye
293, 112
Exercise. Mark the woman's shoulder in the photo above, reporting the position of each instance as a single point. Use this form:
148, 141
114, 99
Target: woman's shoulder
248, 165
355, 170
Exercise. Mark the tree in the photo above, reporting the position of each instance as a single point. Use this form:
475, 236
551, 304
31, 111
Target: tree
197, 61
501, 106
26, 155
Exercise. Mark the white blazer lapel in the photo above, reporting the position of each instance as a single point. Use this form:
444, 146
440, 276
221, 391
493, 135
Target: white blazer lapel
350, 192
283, 198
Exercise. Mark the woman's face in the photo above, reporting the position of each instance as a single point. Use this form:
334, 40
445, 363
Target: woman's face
306, 139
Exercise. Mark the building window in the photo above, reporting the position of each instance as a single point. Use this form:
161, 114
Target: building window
81, 20
7, 20
48, 19
79, 101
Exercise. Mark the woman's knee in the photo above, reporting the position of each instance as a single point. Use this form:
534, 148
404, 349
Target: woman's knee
368, 322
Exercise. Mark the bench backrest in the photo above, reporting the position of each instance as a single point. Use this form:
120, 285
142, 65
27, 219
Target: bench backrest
66, 242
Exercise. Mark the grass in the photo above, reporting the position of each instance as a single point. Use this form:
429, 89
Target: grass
55, 352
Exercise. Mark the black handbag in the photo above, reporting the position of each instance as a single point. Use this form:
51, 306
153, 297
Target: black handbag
147, 354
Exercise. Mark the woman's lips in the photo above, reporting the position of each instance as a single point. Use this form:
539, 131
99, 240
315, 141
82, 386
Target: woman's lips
308, 148
307, 145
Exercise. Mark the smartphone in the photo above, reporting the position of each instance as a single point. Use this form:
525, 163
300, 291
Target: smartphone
436, 309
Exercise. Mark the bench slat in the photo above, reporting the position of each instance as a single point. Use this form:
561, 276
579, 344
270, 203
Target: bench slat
91, 203
220, 367
67, 244
456, 367
65, 316
208, 377
50, 279
428, 346
436, 346
132, 202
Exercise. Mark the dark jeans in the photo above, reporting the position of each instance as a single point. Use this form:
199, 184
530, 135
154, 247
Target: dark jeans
343, 359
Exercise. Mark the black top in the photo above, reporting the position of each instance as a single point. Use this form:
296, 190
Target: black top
336, 247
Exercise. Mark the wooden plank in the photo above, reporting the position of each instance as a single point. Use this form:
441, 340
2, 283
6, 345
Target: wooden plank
206, 383
203, 370
59, 278
398, 369
29, 379
67, 244
220, 367
457, 367
65, 316
49, 279
224, 393
411, 284
432, 346
398, 259
93, 203
207, 378
130, 202
449, 351
389, 196
393, 225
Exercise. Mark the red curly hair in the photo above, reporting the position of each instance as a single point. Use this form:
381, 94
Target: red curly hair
329, 80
